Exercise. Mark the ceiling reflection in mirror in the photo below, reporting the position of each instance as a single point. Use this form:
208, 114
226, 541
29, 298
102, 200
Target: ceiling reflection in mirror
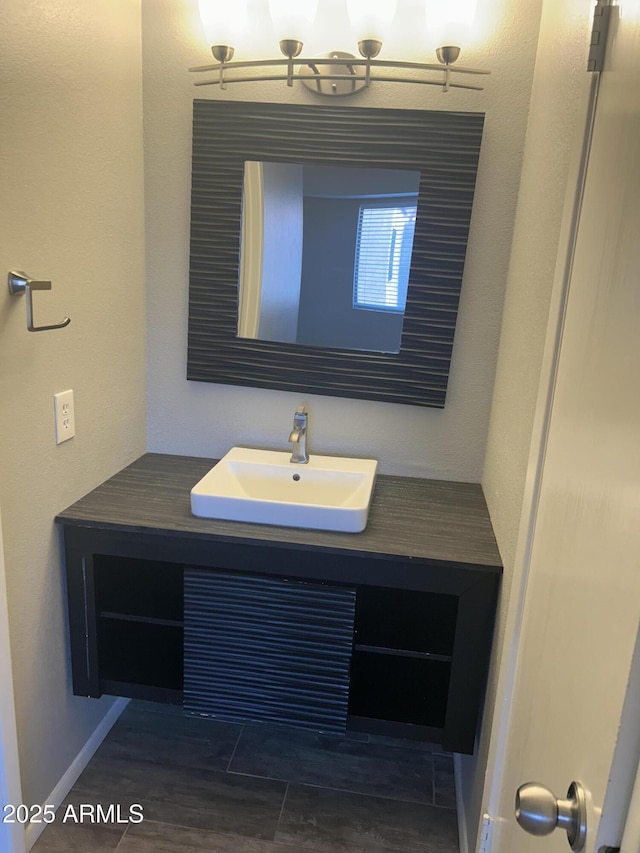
326, 254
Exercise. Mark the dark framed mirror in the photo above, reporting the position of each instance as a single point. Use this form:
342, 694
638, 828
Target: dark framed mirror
443, 147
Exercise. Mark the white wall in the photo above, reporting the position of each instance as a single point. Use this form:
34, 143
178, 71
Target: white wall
72, 212
205, 419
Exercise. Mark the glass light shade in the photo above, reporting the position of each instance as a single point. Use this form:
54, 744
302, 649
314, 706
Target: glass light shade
223, 22
369, 18
450, 21
292, 19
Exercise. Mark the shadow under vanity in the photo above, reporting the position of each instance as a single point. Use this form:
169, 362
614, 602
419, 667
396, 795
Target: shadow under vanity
386, 631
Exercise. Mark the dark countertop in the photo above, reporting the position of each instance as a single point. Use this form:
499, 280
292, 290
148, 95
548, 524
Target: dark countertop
433, 520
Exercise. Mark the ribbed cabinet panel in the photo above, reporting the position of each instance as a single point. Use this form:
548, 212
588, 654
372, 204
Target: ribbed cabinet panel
267, 650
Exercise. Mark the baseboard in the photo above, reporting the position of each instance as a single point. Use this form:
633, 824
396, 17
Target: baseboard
57, 796
463, 837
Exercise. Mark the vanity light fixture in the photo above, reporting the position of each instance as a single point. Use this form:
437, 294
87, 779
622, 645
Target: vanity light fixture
339, 73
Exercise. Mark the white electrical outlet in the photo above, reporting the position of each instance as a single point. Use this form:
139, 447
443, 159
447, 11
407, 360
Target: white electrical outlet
64, 416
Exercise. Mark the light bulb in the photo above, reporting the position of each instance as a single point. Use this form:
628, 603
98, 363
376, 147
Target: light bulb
223, 22
450, 21
292, 19
369, 18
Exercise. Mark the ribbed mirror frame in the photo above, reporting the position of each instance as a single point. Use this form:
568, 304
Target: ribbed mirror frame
443, 146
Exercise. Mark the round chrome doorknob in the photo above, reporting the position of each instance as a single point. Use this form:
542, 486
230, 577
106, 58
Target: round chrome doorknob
539, 812
536, 809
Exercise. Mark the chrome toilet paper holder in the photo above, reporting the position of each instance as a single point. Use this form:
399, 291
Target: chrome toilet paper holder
19, 282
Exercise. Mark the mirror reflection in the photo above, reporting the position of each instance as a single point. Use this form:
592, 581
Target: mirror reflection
325, 254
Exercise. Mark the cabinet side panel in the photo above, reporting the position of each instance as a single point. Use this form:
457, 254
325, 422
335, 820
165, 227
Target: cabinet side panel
82, 618
267, 650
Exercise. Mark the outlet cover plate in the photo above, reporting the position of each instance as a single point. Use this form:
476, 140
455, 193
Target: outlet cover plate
64, 416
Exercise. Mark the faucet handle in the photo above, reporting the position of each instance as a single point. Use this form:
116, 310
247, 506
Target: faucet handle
298, 436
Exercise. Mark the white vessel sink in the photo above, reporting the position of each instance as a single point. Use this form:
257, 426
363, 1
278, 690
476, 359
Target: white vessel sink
265, 487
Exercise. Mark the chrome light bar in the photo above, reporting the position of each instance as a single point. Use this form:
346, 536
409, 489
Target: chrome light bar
338, 73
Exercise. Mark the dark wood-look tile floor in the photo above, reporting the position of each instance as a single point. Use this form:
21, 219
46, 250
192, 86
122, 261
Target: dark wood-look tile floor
203, 785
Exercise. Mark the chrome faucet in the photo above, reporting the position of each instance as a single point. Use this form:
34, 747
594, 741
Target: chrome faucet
298, 436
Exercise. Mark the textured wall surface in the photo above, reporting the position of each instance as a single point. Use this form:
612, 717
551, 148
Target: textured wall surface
206, 419
72, 182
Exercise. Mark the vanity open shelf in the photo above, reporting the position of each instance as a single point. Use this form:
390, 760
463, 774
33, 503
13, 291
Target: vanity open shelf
387, 631
402, 656
139, 625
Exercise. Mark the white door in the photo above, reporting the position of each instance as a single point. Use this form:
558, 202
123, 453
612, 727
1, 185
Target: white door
582, 605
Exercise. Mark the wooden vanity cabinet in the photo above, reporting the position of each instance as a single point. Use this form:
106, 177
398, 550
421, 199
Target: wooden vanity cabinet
331, 632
